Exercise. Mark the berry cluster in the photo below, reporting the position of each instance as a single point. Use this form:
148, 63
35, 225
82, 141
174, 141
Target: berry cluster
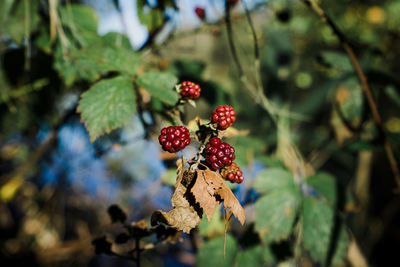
233, 173
219, 154
190, 90
223, 116
174, 138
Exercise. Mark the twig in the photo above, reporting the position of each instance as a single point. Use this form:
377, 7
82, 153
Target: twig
364, 84
230, 37
253, 31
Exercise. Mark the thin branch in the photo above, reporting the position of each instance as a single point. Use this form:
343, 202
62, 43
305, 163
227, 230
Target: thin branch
230, 37
364, 84
253, 31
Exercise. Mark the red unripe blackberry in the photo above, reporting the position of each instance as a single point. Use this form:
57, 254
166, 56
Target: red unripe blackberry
190, 90
232, 173
219, 154
200, 12
174, 138
223, 116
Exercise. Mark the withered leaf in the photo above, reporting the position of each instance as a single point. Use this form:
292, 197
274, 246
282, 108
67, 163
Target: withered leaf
183, 216
209, 189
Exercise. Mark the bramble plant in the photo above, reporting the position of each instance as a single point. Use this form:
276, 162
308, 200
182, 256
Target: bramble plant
277, 138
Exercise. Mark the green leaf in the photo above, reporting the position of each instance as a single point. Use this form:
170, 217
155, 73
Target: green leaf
338, 59
114, 39
393, 94
325, 184
107, 105
79, 16
91, 62
151, 17
360, 145
317, 223
160, 85
212, 252
255, 256
82, 22
169, 177
188, 68
244, 144
272, 179
5, 7
24, 20
213, 228
341, 248
317, 220
275, 214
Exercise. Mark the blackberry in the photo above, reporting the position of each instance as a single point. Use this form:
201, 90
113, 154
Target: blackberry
219, 154
174, 138
232, 173
223, 116
190, 90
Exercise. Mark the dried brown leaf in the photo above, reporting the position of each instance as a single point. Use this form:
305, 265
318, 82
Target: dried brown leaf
209, 189
183, 216
204, 193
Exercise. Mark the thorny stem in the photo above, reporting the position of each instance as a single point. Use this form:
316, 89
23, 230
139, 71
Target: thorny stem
364, 84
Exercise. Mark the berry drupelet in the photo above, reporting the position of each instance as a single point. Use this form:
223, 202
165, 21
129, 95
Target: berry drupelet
223, 116
219, 154
190, 90
174, 138
233, 173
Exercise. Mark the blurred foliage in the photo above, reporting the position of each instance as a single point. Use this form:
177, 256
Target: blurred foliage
291, 218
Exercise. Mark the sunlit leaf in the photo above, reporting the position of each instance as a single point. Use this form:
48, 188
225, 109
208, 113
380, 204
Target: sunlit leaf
91, 62
273, 179
160, 85
107, 105
275, 214
82, 22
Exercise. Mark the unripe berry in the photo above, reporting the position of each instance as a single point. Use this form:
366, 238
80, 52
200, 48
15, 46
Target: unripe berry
232, 173
174, 138
219, 154
223, 116
190, 90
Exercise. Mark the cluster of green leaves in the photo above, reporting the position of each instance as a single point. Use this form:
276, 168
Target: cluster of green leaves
307, 219
110, 65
